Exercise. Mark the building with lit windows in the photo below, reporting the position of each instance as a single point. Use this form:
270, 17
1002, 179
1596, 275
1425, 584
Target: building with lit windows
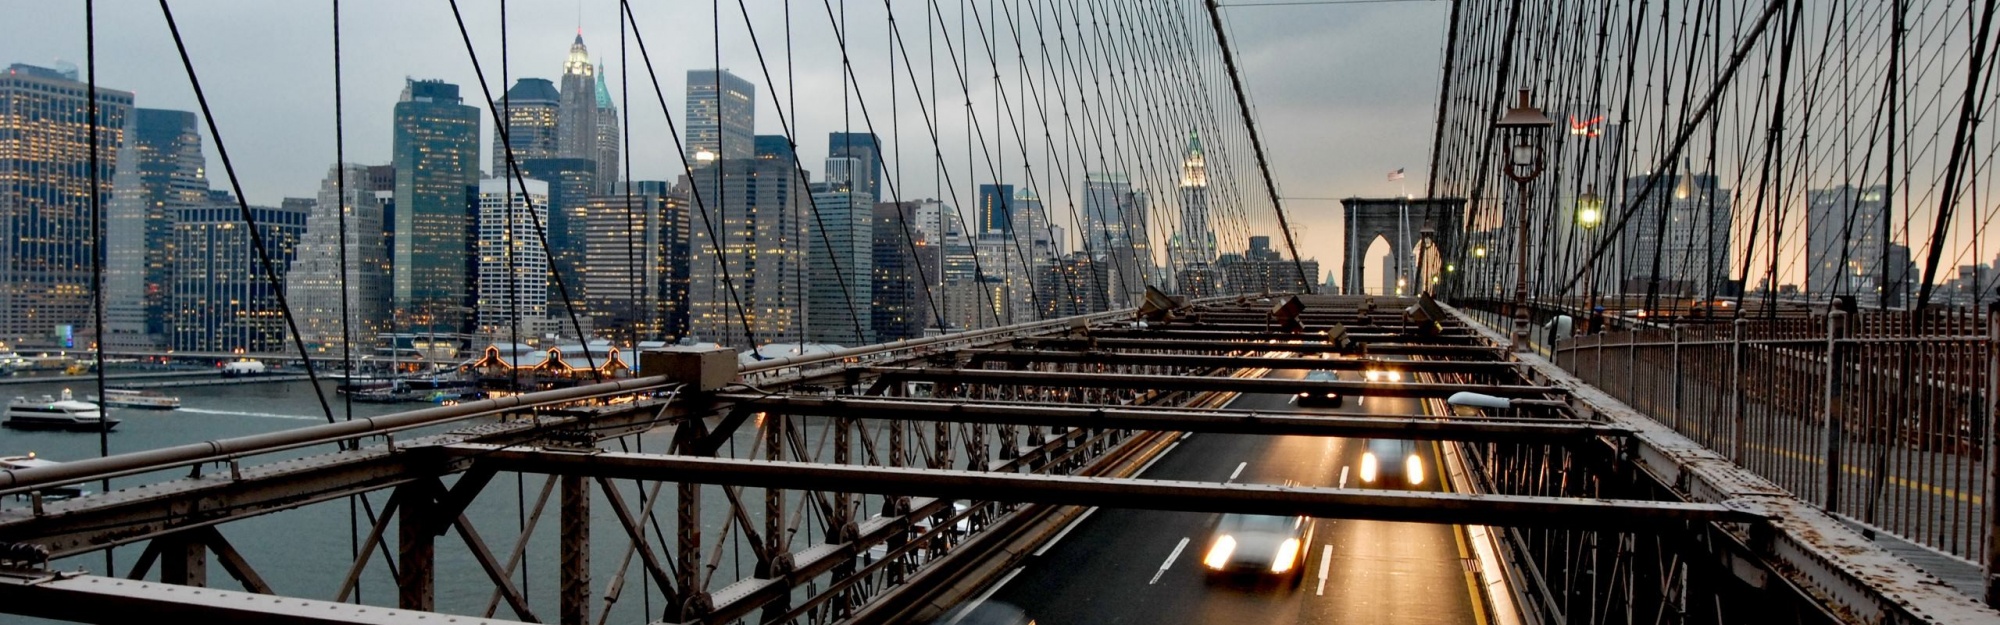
721, 116
160, 169
530, 111
222, 300
46, 198
637, 251
747, 251
435, 151
513, 287
319, 288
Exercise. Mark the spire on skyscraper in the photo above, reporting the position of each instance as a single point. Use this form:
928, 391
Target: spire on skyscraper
603, 92
579, 58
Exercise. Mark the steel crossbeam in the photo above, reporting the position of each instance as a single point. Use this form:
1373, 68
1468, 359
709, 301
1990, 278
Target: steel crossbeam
1407, 427
1297, 344
1339, 503
96, 599
1195, 383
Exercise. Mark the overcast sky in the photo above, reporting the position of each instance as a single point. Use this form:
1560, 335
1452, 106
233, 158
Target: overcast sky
1344, 93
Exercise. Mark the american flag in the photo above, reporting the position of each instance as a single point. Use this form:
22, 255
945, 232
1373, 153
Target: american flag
1396, 175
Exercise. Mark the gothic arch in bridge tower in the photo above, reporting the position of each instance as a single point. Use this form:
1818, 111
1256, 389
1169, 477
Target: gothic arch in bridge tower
1405, 223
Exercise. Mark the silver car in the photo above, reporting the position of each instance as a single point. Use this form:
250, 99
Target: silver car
1259, 547
1391, 462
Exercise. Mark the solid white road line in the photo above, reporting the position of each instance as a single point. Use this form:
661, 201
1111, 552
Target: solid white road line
1238, 471
1343, 477
1169, 562
1065, 532
974, 605
1325, 558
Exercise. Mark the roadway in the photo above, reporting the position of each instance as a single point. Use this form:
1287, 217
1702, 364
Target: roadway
1131, 566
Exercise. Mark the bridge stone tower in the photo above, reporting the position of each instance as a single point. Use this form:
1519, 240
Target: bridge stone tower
1405, 223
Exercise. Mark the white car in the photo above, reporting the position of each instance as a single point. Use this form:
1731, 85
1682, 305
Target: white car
1392, 462
1259, 547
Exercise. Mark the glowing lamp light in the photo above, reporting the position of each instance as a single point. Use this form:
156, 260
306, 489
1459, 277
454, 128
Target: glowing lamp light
1589, 208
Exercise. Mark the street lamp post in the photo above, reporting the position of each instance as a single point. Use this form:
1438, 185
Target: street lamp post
1524, 124
1589, 213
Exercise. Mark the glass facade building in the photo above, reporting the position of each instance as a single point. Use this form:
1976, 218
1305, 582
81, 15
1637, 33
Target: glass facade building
436, 155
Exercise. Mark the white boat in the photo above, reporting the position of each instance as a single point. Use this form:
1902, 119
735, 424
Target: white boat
30, 461
48, 413
134, 398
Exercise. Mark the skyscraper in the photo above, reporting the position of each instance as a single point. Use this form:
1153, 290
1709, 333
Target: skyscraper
436, 155
900, 309
1688, 244
513, 270
1193, 251
1114, 222
638, 256
748, 229
160, 169
840, 246
721, 115
862, 146
317, 282
576, 114
46, 197
608, 139
1844, 241
571, 182
221, 297
996, 214
530, 110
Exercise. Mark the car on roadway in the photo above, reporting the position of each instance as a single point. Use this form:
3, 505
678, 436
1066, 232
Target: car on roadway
1383, 375
1318, 397
1258, 547
1390, 462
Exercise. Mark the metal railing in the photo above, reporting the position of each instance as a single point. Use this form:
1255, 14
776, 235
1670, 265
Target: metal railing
1878, 422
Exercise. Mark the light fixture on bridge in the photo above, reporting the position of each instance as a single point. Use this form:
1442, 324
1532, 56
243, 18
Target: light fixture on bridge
1524, 125
1470, 399
1589, 208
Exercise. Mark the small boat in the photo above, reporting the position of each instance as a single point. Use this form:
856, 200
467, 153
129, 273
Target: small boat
134, 398
49, 413
30, 461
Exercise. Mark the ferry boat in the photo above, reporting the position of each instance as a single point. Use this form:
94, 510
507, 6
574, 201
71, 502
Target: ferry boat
48, 413
31, 461
135, 398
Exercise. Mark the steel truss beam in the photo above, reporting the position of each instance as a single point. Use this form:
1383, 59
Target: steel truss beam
1297, 344
1247, 333
94, 599
1200, 383
1410, 427
1336, 503
1025, 356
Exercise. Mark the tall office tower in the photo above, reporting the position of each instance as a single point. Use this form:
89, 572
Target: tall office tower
638, 255
319, 287
840, 247
513, 272
866, 148
572, 181
1192, 252
221, 298
721, 116
1844, 241
1690, 241
901, 304
1031, 226
841, 171
530, 111
773, 147
576, 113
436, 156
160, 169
748, 230
996, 209
46, 198
608, 139
1115, 227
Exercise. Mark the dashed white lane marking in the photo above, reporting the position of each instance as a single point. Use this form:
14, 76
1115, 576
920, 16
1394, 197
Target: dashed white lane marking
1238, 471
1169, 562
1343, 477
1325, 558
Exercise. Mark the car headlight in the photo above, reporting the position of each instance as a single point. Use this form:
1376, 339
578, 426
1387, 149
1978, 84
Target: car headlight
1413, 467
1395, 376
1218, 554
1287, 553
1368, 466
1304, 394
1373, 375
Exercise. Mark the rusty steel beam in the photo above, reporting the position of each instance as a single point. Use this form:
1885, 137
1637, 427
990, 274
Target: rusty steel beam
1024, 356
1253, 334
1410, 427
1336, 503
1298, 344
1201, 384
94, 599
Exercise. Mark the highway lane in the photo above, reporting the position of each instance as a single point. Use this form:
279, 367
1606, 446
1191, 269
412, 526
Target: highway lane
1121, 566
